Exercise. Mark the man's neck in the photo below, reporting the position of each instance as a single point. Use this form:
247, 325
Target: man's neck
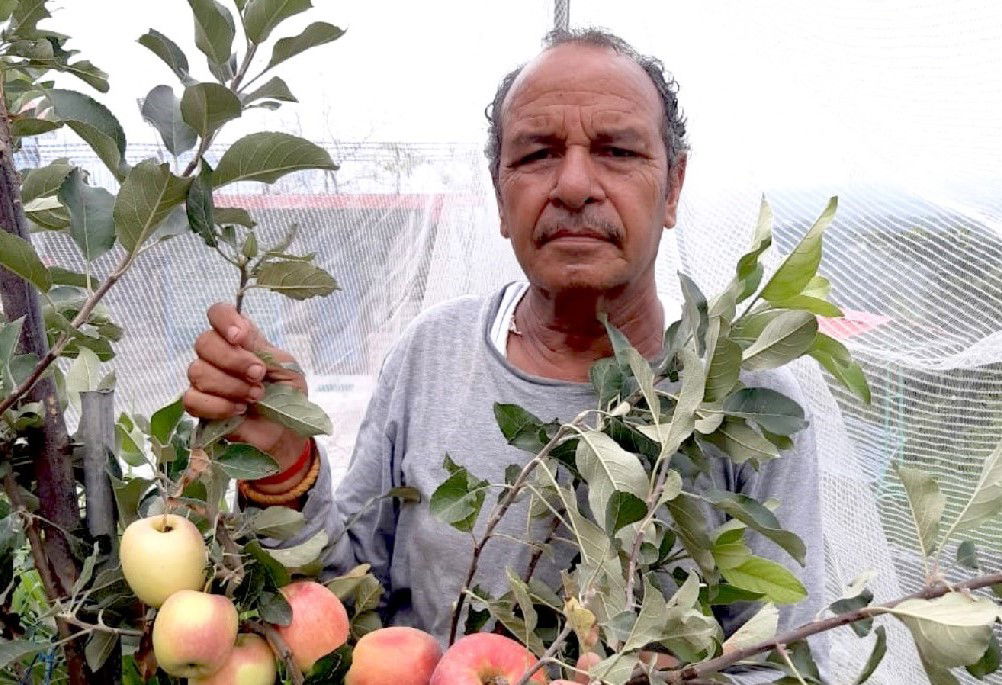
559, 335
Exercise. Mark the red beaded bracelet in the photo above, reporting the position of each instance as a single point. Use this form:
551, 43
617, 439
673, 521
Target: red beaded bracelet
288, 473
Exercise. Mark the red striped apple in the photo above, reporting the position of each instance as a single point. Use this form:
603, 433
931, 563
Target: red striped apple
398, 655
319, 622
251, 663
193, 633
161, 555
485, 659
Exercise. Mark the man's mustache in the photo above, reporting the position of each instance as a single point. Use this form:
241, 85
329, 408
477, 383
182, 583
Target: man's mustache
583, 224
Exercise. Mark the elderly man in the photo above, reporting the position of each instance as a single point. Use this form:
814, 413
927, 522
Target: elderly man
587, 153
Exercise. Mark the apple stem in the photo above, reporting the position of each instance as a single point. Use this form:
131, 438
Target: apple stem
279, 647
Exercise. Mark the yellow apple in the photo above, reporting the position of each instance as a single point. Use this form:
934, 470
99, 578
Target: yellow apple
193, 633
319, 622
251, 663
161, 555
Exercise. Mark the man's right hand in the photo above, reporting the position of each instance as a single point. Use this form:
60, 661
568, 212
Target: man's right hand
226, 379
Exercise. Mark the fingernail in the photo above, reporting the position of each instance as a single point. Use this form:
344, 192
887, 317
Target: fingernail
232, 333
241, 408
256, 393
255, 372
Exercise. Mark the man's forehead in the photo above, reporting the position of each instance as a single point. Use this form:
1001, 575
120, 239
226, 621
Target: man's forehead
606, 124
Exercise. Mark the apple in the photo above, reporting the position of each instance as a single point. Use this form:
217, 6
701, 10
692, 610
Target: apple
193, 633
585, 663
398, 655
161, 555
485, 659
319, 622
251, 663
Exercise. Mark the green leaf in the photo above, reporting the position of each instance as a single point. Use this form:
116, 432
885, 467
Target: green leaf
19, 257
772, 411
694, 311
690, 524
317, 33
246, 462
26, 127
93, 122
16, 650
214, 31
25, 17
10, 333
848, 604
608, 468
725, 368
607, 379
615, 669
404, 494
801, 265
207, 106
459, 499
949, 631
199, 206
835, 358
986, 499
754, 515
275, 569
150, 191
297, 280
165, 420
278, 522
289, 407
809, 304
519, 427
623, 509
876, 656
925, 505
758, 628
302, 555
527, 634
267, 156
730, 551
273, 89
210, 431
989, 661
785, 338
88, 73
274, 608
262, 16
967, 555
232, 215
92, 226
167, 50
773, 580
650, 624
42, 183
128, 494
749, 271
162, 109
735, 438
99, 648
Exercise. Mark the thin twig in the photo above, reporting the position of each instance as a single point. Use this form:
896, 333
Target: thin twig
279, 647
536, 555
97, 627
548, 654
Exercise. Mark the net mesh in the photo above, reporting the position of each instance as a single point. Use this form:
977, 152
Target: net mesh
892, 106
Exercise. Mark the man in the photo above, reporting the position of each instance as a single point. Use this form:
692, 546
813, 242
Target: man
587, 153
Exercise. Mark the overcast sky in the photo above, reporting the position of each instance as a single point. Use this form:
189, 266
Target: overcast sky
776, 92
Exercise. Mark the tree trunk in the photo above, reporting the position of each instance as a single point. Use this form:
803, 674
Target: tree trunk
53, 468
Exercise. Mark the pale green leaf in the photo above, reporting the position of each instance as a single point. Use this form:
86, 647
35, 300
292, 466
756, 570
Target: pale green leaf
749, 271
18, 256
835, 358
758, 628
529, 616
608, 468
84, 375
771, 410
785, 338
925, 505
289, 407
876, 656
767, 577
162, 109
754, 515
741, 442
986, 499
262, 16
949, 631
301, 555
989, 662
99, 648
730, 551
809, 304
694, 312
650, 624
92, 226
233, 215
801, 265
278, 522
459, 499
267, 156
616, 669
724, 370
273, 89
214, 31
167, 50
246, 462
317, 33
150, 191
298, 280
207, 106
645, 379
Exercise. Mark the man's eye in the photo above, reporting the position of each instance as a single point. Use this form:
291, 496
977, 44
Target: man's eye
542, 153
619, 152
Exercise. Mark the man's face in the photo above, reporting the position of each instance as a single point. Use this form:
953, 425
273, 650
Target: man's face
583, 183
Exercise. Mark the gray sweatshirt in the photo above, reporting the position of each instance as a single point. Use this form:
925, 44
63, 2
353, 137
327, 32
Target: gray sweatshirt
435, 396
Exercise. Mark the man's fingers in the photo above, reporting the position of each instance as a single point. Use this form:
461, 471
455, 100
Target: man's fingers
236, 361
235, 328
206, 378
204, 406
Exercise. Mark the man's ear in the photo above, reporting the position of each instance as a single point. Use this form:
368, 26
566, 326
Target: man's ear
676, 177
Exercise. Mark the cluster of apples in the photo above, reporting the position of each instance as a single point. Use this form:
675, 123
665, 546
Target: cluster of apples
195, 633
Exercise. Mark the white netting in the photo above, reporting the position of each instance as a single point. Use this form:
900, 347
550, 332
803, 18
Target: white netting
893, 106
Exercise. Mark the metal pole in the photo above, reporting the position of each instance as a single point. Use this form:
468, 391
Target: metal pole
561, 14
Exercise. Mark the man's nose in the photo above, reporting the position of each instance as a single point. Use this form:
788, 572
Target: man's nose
576, 184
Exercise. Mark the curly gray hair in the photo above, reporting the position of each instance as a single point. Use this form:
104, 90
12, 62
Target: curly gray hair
672, 123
